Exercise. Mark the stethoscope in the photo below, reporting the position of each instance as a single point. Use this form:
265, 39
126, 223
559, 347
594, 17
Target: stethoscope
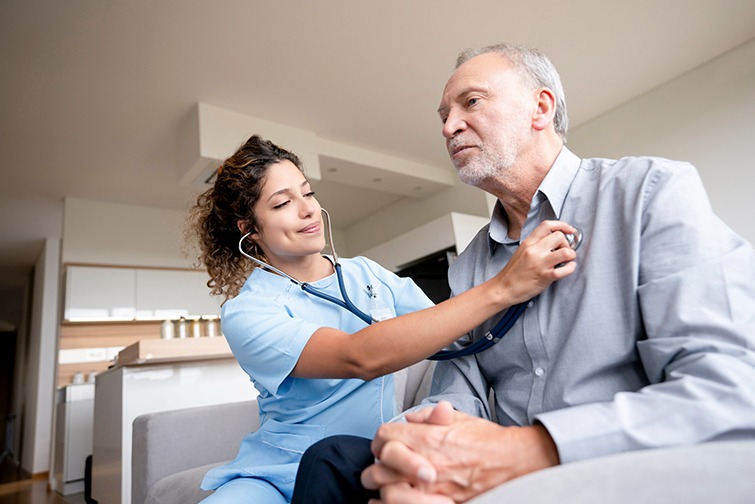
343, 303
491, 337
505, 324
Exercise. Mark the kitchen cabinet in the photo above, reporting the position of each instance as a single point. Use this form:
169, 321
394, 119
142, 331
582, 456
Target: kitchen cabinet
73, 436
170, 294
177, 374
99, 293
111, 293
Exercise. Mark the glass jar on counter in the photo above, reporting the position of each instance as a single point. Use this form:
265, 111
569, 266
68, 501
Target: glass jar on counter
182, 328
167, 330
196, 328
213, 328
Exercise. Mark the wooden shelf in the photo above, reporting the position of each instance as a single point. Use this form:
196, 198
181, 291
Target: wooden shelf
66, 371
106, 334
171, 350
100, 335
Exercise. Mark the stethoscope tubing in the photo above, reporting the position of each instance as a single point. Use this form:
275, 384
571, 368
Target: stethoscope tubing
491, 337
345, 303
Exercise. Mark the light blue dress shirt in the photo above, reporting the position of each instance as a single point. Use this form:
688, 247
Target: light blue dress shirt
648, 344
267, 326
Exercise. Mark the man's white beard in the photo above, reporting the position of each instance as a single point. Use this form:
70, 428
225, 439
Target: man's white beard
490, 162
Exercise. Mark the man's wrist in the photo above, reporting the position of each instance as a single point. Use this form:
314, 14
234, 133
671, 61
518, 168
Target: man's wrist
550, 450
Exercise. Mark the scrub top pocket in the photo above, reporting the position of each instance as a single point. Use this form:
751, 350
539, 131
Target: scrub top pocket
290, 437
277, 450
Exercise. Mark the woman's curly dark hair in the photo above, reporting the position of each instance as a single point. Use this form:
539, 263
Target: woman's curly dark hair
213, 220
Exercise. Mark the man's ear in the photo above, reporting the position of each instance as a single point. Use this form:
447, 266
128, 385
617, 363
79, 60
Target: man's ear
546, 109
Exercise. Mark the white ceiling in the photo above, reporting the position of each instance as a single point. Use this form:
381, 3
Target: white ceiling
93, 92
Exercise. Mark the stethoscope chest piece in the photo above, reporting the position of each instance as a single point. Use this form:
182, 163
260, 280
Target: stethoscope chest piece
507, 321
574, 239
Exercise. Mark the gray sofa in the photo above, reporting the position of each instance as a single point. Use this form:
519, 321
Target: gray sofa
172, 451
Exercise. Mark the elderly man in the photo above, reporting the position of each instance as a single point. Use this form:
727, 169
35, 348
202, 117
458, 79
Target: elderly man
648, 345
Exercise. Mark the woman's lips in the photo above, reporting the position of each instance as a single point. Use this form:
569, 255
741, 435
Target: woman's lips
312, 228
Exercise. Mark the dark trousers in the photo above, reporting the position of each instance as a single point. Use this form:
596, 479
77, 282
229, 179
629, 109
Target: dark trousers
329, 472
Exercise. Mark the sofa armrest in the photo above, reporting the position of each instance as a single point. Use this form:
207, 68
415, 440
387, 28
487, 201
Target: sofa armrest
167, 442
412, 384
699, 474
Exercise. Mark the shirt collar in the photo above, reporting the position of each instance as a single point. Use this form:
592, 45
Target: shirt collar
553, 189
557, 182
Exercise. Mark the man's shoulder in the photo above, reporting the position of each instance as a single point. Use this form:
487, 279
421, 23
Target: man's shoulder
634, 165
636, 173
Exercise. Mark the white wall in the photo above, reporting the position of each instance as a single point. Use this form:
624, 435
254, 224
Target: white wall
707, 117
40, 368
409, 214
97, 232
451, 230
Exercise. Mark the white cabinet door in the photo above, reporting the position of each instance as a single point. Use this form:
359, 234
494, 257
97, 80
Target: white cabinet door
100, 293
169, 294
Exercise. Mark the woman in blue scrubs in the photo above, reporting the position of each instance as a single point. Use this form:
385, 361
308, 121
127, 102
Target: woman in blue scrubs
320, 370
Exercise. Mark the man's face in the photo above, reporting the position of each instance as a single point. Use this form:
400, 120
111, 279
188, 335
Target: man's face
487, 118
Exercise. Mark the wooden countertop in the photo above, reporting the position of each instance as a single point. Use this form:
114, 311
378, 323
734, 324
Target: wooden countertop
150, 351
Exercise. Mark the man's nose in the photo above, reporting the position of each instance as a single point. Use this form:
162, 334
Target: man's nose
453, 125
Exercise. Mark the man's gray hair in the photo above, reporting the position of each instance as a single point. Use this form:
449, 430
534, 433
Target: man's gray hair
535, 68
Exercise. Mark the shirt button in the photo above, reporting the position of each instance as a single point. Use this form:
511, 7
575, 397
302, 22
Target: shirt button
539, 371
530, 304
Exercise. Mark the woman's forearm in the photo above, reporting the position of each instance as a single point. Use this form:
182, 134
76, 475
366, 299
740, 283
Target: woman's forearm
396, 343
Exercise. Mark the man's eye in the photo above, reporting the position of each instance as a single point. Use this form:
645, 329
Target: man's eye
472, 101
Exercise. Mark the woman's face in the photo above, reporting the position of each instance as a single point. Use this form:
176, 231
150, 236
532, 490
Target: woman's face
288, 216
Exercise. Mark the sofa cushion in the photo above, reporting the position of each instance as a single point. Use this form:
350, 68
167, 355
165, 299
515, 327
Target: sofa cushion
181, 487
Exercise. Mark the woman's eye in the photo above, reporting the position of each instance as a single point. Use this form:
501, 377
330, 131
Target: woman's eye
309, 194
281, 205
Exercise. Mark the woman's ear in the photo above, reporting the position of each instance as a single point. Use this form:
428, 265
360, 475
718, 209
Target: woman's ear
245, 228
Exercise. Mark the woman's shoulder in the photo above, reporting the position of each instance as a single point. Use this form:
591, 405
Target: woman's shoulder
259, 289
365, 264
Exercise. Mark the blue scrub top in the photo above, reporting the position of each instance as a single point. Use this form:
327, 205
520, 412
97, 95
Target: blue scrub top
267, 326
